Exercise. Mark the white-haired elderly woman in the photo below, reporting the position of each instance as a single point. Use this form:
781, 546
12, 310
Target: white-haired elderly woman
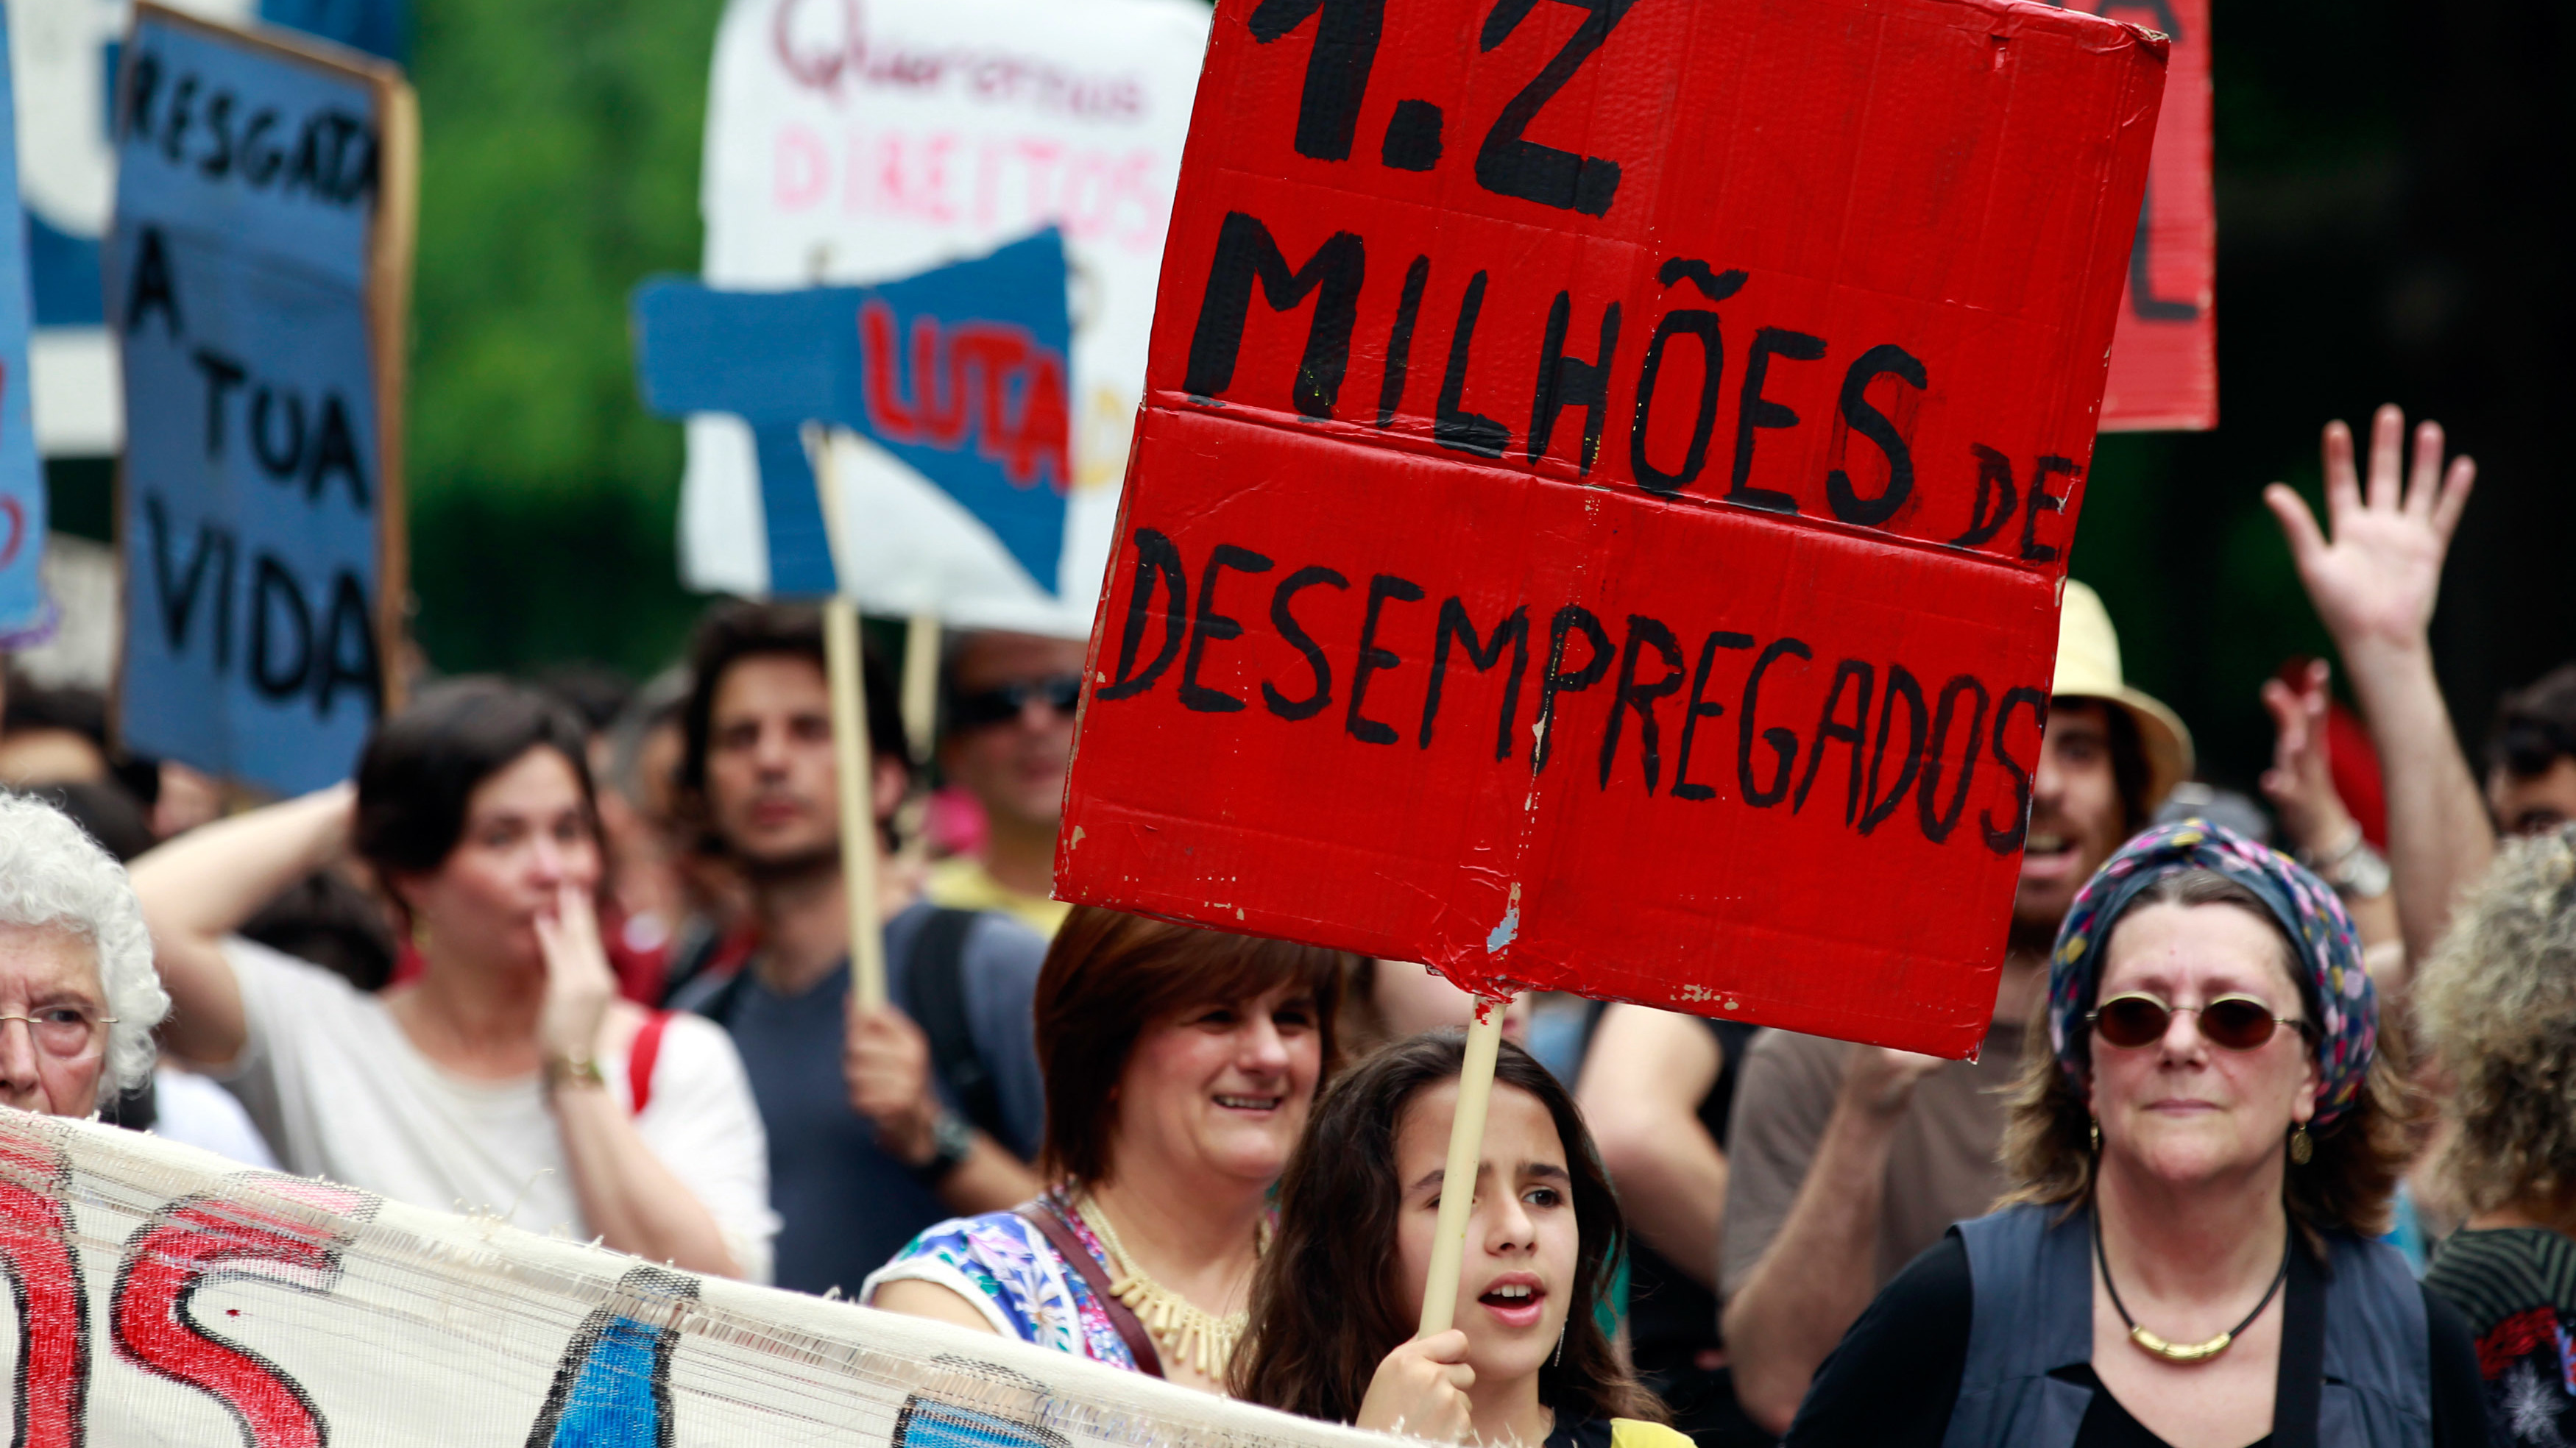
78, 995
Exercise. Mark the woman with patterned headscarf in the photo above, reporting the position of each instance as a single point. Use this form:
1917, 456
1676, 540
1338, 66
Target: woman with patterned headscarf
2185, 1255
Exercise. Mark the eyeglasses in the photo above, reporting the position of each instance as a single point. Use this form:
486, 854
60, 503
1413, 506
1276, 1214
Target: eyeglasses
1005, 702
62, 1030
2236, 1022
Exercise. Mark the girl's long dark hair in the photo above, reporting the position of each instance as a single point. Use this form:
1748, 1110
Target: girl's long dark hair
1325, 1304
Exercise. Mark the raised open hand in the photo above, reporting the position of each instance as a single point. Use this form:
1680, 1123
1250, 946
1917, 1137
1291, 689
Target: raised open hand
2374, 580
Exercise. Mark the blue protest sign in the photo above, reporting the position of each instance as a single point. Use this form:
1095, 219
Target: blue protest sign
67, 62
958, 372
22, 479
255, 275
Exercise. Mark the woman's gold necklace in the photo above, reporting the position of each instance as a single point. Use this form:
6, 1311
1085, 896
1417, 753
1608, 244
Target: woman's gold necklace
1189, 1332
2181, 1352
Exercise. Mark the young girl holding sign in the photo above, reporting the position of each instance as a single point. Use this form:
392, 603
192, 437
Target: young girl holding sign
1338, 1295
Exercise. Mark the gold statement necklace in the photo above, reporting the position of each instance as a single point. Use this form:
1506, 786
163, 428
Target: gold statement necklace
2181, 1352
1187, 1331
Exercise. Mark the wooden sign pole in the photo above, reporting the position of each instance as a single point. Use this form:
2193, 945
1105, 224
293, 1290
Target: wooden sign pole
853, 761
1458, 1179
920, 731
921, 685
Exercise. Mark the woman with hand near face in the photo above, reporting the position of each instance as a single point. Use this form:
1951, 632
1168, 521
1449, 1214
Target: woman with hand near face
507, 1078
78, 998
1179, 1064
2186, 1257
1339, 1297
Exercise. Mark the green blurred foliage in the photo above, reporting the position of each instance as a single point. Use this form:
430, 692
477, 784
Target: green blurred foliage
559, 166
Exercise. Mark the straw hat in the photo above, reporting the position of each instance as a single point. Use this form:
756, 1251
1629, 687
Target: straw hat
2088, 667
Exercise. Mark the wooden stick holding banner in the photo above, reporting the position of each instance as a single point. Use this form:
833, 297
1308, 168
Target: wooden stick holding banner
1458, 1179
846, 674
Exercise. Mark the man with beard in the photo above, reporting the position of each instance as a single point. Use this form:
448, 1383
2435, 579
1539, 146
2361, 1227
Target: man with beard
880, 1123
1845, 1161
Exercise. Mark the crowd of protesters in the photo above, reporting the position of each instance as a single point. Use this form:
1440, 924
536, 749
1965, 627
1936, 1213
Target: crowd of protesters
2261, 1145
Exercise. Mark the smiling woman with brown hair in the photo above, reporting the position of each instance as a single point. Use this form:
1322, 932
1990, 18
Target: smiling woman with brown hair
1179, 1065
2199, 1166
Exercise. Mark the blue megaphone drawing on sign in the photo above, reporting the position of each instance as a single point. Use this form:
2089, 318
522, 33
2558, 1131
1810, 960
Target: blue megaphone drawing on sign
962, 372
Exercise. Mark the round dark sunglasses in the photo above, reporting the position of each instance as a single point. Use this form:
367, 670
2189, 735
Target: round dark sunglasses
1003, 703
2236, 1022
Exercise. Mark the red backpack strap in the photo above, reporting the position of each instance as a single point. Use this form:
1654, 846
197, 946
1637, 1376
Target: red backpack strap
642, 1054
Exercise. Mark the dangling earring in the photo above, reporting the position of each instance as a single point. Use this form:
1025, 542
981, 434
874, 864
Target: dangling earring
1558, 1361
2301, 1148
2097, 1138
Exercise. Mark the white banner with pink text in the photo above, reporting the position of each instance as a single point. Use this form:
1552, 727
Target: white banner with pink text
859, 141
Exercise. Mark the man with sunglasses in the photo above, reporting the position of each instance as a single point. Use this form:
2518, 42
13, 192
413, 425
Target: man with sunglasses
1009, 701
1846, 1161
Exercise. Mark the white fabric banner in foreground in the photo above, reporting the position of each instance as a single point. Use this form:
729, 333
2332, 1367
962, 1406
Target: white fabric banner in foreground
859, 143
164, 1296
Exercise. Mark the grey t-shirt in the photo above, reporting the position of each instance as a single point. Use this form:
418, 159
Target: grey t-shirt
844, 1205
1944, 1164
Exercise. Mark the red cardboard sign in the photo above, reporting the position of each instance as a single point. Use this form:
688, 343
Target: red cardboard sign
1605, 474
2164, 357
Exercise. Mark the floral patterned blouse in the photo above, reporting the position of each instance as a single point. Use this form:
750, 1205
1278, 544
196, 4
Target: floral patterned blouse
1006, 1267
